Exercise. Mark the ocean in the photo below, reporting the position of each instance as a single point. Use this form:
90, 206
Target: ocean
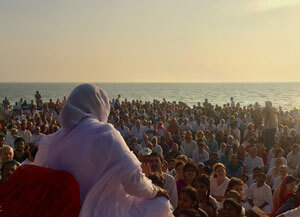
286, 95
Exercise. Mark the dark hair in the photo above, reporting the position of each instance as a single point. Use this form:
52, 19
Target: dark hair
193, 213
234, 204
9, 163
157, 179
159, 155
206, 181
207, 169
235, 194
192, 194
19, 139
257, 169
190, 164
33, 150
178, 163
233, 181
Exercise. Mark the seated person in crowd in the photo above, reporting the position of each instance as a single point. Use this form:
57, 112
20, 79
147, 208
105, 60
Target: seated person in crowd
260, 195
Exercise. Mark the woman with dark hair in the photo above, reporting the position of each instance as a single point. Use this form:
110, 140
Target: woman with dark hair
187, 199
190, 170
236, 184
206, 201
285, 188
231, 208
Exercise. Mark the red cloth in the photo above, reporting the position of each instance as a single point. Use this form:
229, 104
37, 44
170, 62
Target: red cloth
180, 185
291, 194
34, 191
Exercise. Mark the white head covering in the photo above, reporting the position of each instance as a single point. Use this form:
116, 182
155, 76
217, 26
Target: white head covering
95, 153
86, 100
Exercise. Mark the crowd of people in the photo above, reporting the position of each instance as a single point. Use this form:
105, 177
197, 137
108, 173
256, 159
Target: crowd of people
213, 160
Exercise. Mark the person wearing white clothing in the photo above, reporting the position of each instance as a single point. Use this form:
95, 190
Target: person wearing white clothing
253, 161
156, 160
138, 130
222, 126
260, 194
10, 137
113, 185
219, 183
199, 154
124, 130
293, 159
278, 154
37, 136
283, 170
185, 126
188, 145
156, 147
23, 132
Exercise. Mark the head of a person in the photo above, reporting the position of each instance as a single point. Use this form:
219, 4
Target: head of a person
86, 100
283, 170
188, 198
231, 208
171, 164
214, 158
156, 161
19, 144
279, 153
190, 170
201, 146
138, 123
219, 171
7, 153
37, 130
182, 157
288, 184
175, 147
295, 148
179, 168
202, 184
210, 137
188, 135
8, 168
234, 195
154, 140
253, 152
236, 184
14, 132
24, 125
278, 162
256, 171
261, 179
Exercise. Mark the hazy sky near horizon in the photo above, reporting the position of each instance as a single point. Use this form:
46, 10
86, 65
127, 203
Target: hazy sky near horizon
150, 40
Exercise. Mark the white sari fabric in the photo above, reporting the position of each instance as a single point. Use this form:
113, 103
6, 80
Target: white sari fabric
109, 175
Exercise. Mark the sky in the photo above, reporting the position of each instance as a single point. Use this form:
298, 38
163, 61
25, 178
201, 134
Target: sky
150, 41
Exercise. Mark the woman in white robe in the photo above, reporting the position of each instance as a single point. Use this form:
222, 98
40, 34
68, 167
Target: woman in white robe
109, 175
